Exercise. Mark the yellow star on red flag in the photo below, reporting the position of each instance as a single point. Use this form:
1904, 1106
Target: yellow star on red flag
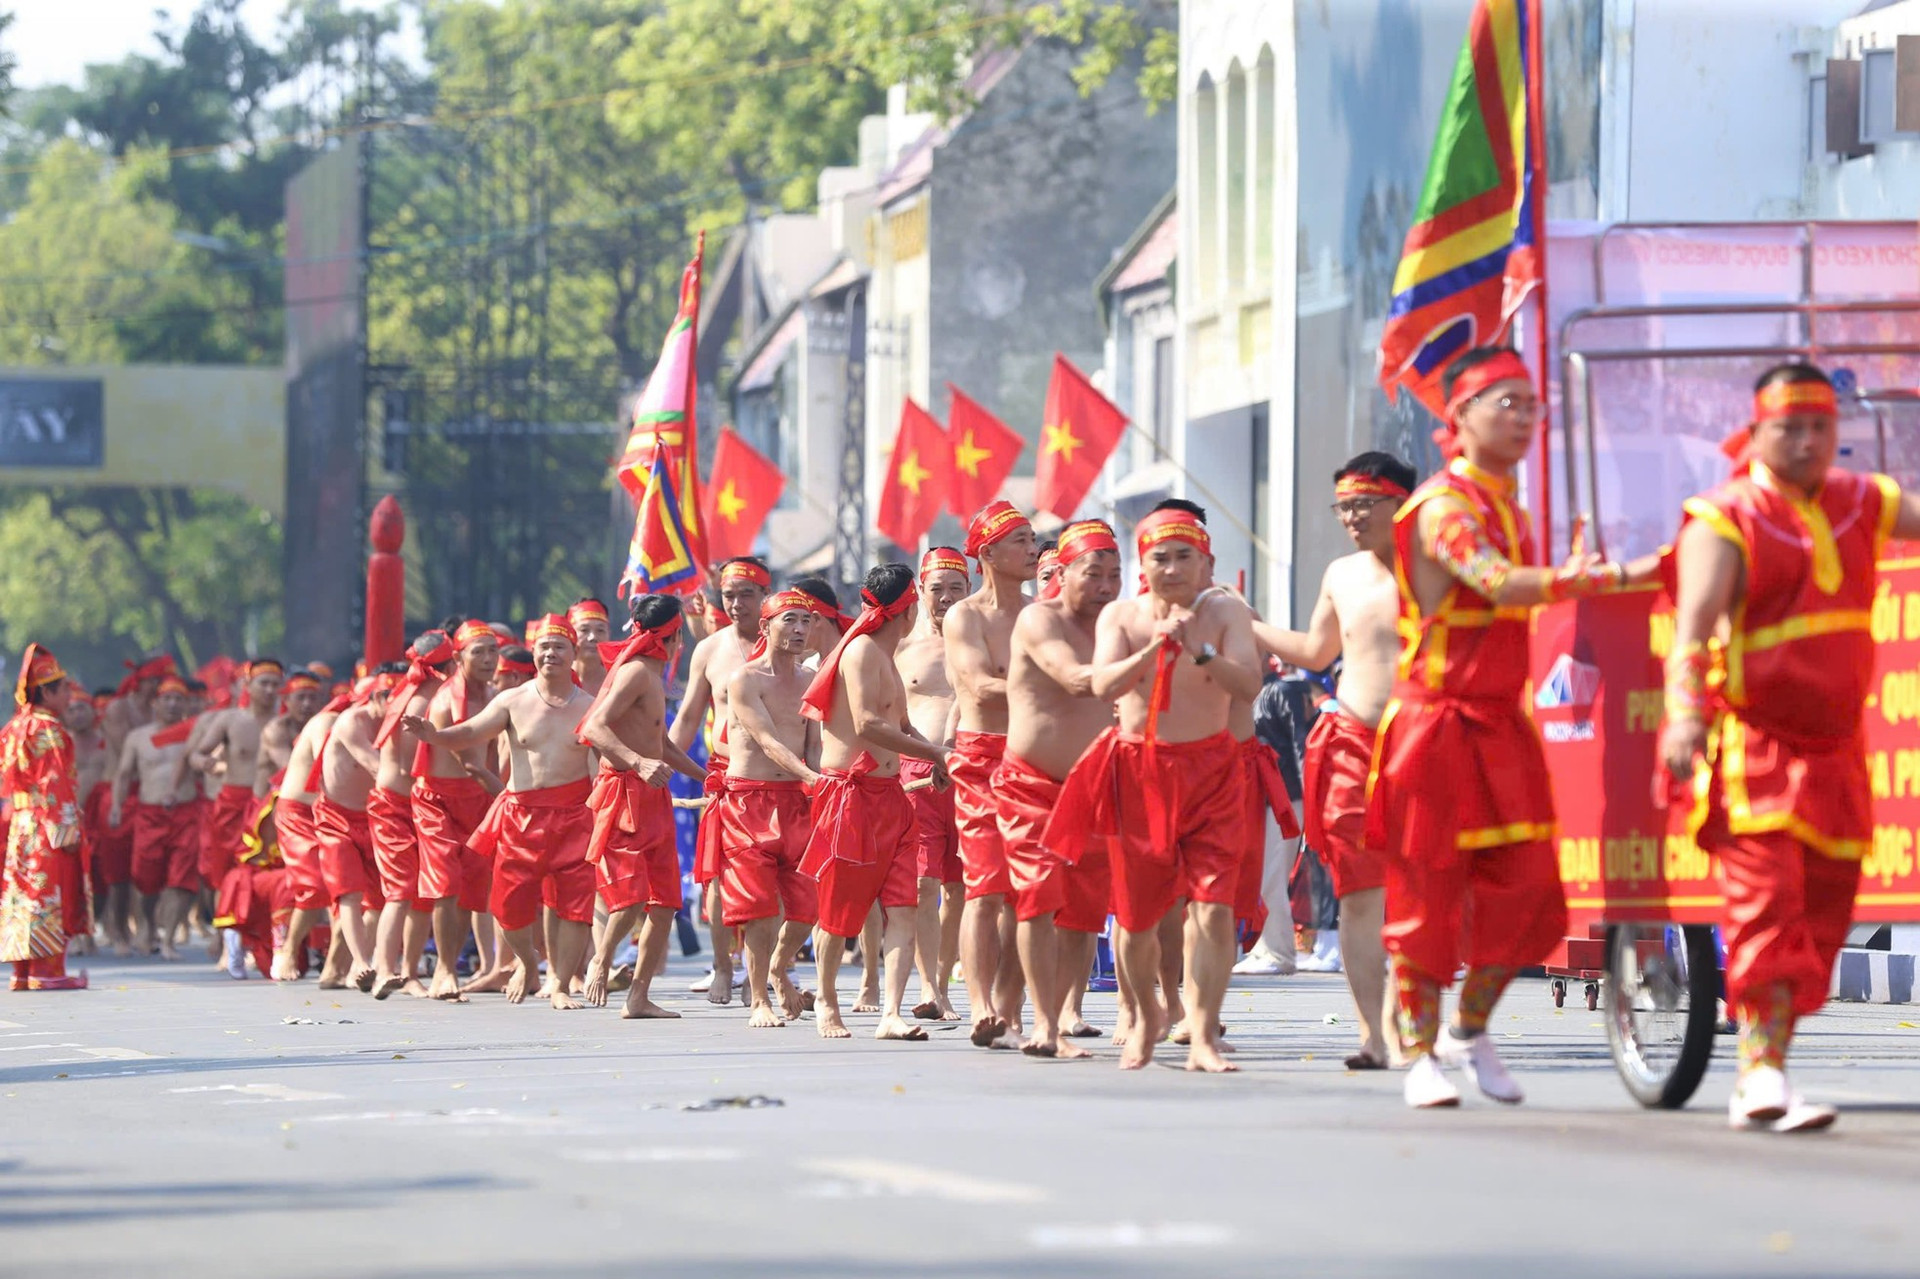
1060, 441
728, 503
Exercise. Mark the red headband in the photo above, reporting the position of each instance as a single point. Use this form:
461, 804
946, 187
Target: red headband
517, 667
1167, 525
587, 611
153, 668
300, 679
552, 624
263, 664
1084, 537
1049, 563
432, 649
747, 571
942, 558
1366, 486
996, 522
172, 684
817, 701
1779, 399
38, 668
1504, 367
472, 630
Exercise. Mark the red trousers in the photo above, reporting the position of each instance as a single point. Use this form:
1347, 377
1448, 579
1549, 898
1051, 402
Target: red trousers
541, 855
166, 848
1076, 894
232, 809
346, 853
446, 811
251, 901
396, 849
706, 847
936, 827
112, 845
1338, 756
861, 847
635, 847
764, 827
1787, 914
983, 855
299, 839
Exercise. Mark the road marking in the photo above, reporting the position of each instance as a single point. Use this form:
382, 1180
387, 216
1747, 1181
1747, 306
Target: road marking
21, 1048
1079, 1236
873, 1177
27, 1034
11, 1025
264, 1092
118, 1054
655, 1155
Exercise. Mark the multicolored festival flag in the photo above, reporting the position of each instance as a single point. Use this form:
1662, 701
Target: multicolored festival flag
984, 451
661, 465
1079, 432
1477, 246
744, 486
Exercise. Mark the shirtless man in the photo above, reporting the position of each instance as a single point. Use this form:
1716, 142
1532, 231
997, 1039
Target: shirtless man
765, 816
861, 848
1047, 572
406, 918
349, 762
589, 618
635, 849
1356, 619
979, 635
1052, 717
226, 744
922, 659
132, 704
449, 802
166, 844
293, 824
1167, 781
744, 584
540, 833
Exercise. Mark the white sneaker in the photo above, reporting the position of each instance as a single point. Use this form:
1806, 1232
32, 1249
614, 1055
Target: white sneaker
1427, 1086
1805, 1116
1760, 1098
236, 954
1480, 1059
1258, 963
739, 976
704, 985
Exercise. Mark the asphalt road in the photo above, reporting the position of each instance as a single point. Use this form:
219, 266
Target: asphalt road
171, 1121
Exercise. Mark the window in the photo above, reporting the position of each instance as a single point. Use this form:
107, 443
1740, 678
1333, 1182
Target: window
1817, 120
1236, 194
1876, 95
1206, 190
1162, 397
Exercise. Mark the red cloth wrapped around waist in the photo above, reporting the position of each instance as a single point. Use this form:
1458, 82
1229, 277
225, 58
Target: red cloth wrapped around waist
619, 800
1263, 772
842, 801
1339, 755
486, 836
462, 787
1088, 799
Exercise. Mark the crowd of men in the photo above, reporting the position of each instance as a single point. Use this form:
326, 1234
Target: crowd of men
1003, 755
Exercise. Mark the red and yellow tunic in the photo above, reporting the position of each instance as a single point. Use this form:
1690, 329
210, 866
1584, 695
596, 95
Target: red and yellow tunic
38, 909
1790, 748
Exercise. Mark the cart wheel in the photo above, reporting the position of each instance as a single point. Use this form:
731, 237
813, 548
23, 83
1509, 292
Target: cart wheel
1559, 989
1661, 986
1593, 995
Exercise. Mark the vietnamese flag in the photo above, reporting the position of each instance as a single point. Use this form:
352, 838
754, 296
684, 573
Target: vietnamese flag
984, 450
743, 487
918, 475
1078, 434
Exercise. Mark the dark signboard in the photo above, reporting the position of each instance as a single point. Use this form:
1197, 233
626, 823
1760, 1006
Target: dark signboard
52, 422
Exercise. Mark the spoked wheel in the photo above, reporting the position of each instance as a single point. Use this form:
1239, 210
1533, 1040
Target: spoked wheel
1661, 986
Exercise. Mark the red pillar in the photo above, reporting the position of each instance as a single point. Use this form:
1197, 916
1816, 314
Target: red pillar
386, 638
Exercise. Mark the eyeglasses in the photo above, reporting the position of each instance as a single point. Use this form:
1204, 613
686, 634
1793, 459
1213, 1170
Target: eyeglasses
1356, 505
1528, 408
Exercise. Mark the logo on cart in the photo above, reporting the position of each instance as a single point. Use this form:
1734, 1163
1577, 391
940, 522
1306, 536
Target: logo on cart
1569, 686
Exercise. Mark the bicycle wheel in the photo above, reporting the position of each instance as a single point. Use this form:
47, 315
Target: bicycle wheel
1661, 988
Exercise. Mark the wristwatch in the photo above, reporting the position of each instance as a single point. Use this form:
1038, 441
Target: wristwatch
1206, 653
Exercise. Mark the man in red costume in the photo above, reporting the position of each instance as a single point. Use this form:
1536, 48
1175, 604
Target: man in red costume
166, 822
922, 659
406, 919
1783, 556
299, 838
225, 744
1459, 796
539, 832
1052, 717
744, 585
43, 892
979, 637
1355, 619
449, 802
766, 816
1167, 785
343, 781
635, 849
861, 848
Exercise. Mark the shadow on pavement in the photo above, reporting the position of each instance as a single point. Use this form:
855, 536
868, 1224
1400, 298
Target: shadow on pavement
39, 1204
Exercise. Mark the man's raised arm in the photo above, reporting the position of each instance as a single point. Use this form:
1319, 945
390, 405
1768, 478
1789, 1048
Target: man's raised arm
482, 728
1312, 649
1117, 670
749, 708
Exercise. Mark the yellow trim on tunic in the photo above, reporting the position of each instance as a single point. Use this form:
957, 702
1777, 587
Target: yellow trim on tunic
1828, 574
1485, 837
1807, 626
1742, 820
1889, 509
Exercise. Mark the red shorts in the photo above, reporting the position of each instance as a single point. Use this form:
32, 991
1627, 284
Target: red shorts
112, 845
251, 901
396, 849
1338, 757
166, 847
1179, 821
541, 855
446, 810
763, 835
936, 833
1266, 794
300, 853
861, 847
1077, 894
983, 855
346, 853
227, 819
635, 849
706, 848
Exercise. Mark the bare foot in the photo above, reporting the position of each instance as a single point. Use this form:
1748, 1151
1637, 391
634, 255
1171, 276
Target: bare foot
1079, 1030
285, 969
1141, 1042
388, 985
1037, 1047
896, 1027
1207, 1057
168, 953
646, 1010
564, 1002
764, 1018
414, 988
363, 977
1067, 1050
620, 979
446, 986
791, 1000
595, 995
516, 989
985, 1031
122, 951
721, 992
1011, 1038
1180, 1035
488, 983
947, 1010
868, 1002
827, 1022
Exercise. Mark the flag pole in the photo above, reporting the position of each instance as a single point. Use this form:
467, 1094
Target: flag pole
1537, 143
